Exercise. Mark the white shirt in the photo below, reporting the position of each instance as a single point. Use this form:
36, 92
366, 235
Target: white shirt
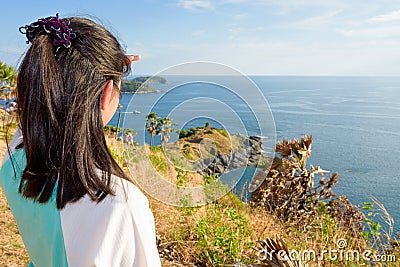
118, 231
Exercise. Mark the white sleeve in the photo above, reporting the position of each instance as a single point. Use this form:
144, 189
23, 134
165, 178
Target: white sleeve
115, 232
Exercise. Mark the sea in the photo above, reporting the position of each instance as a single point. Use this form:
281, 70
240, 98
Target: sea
354, 121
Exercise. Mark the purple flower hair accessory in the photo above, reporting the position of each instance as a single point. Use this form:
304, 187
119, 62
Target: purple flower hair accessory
58, 30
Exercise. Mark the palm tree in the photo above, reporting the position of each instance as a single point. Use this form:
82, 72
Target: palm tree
165, 128
8, 80
152, 125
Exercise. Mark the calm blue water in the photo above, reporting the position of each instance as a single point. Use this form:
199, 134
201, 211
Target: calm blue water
355, 122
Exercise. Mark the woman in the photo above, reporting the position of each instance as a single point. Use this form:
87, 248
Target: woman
73, 204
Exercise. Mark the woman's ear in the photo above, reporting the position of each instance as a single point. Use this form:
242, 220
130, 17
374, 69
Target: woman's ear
107, 95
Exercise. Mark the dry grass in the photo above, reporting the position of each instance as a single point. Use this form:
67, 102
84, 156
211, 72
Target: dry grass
202, 142
179, 244
12, 250
320, 232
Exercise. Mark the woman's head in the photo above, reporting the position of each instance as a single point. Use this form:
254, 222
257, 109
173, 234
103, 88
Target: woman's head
63, 92
79, 72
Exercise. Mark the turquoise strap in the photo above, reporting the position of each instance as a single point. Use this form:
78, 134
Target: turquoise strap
38, 224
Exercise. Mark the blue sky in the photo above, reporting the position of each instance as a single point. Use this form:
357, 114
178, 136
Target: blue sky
257, 37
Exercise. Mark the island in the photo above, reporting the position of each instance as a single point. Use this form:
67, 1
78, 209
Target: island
140, 85
151, 79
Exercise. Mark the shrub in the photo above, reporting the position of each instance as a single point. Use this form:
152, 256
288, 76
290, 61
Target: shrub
222, 235
157, 160
109, 130
223, 132
289, 189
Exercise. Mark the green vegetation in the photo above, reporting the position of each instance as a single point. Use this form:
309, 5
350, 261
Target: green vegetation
141, 85
205, 142
157, 159
373, 231
191, 131
114, 132
186, 152
176, 161
289, 212
129, 130
222, 235
151, 79
8, 81
132, 87
213, 187
159, 126
181, 177
119, 158
223, 132
109, 129
7, 131
207, 129
152, 126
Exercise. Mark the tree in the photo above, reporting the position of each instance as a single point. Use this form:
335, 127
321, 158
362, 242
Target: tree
129, 130
8, 80
165, 128
152, 125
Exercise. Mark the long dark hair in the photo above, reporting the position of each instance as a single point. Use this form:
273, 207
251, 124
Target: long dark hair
59, 111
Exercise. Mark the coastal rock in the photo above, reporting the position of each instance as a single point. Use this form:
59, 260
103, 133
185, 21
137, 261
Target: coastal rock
249, 153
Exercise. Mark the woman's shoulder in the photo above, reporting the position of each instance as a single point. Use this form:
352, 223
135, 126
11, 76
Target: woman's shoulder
126, 197
126, 191
116, 231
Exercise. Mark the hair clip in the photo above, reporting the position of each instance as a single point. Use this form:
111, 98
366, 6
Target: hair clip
58, 30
